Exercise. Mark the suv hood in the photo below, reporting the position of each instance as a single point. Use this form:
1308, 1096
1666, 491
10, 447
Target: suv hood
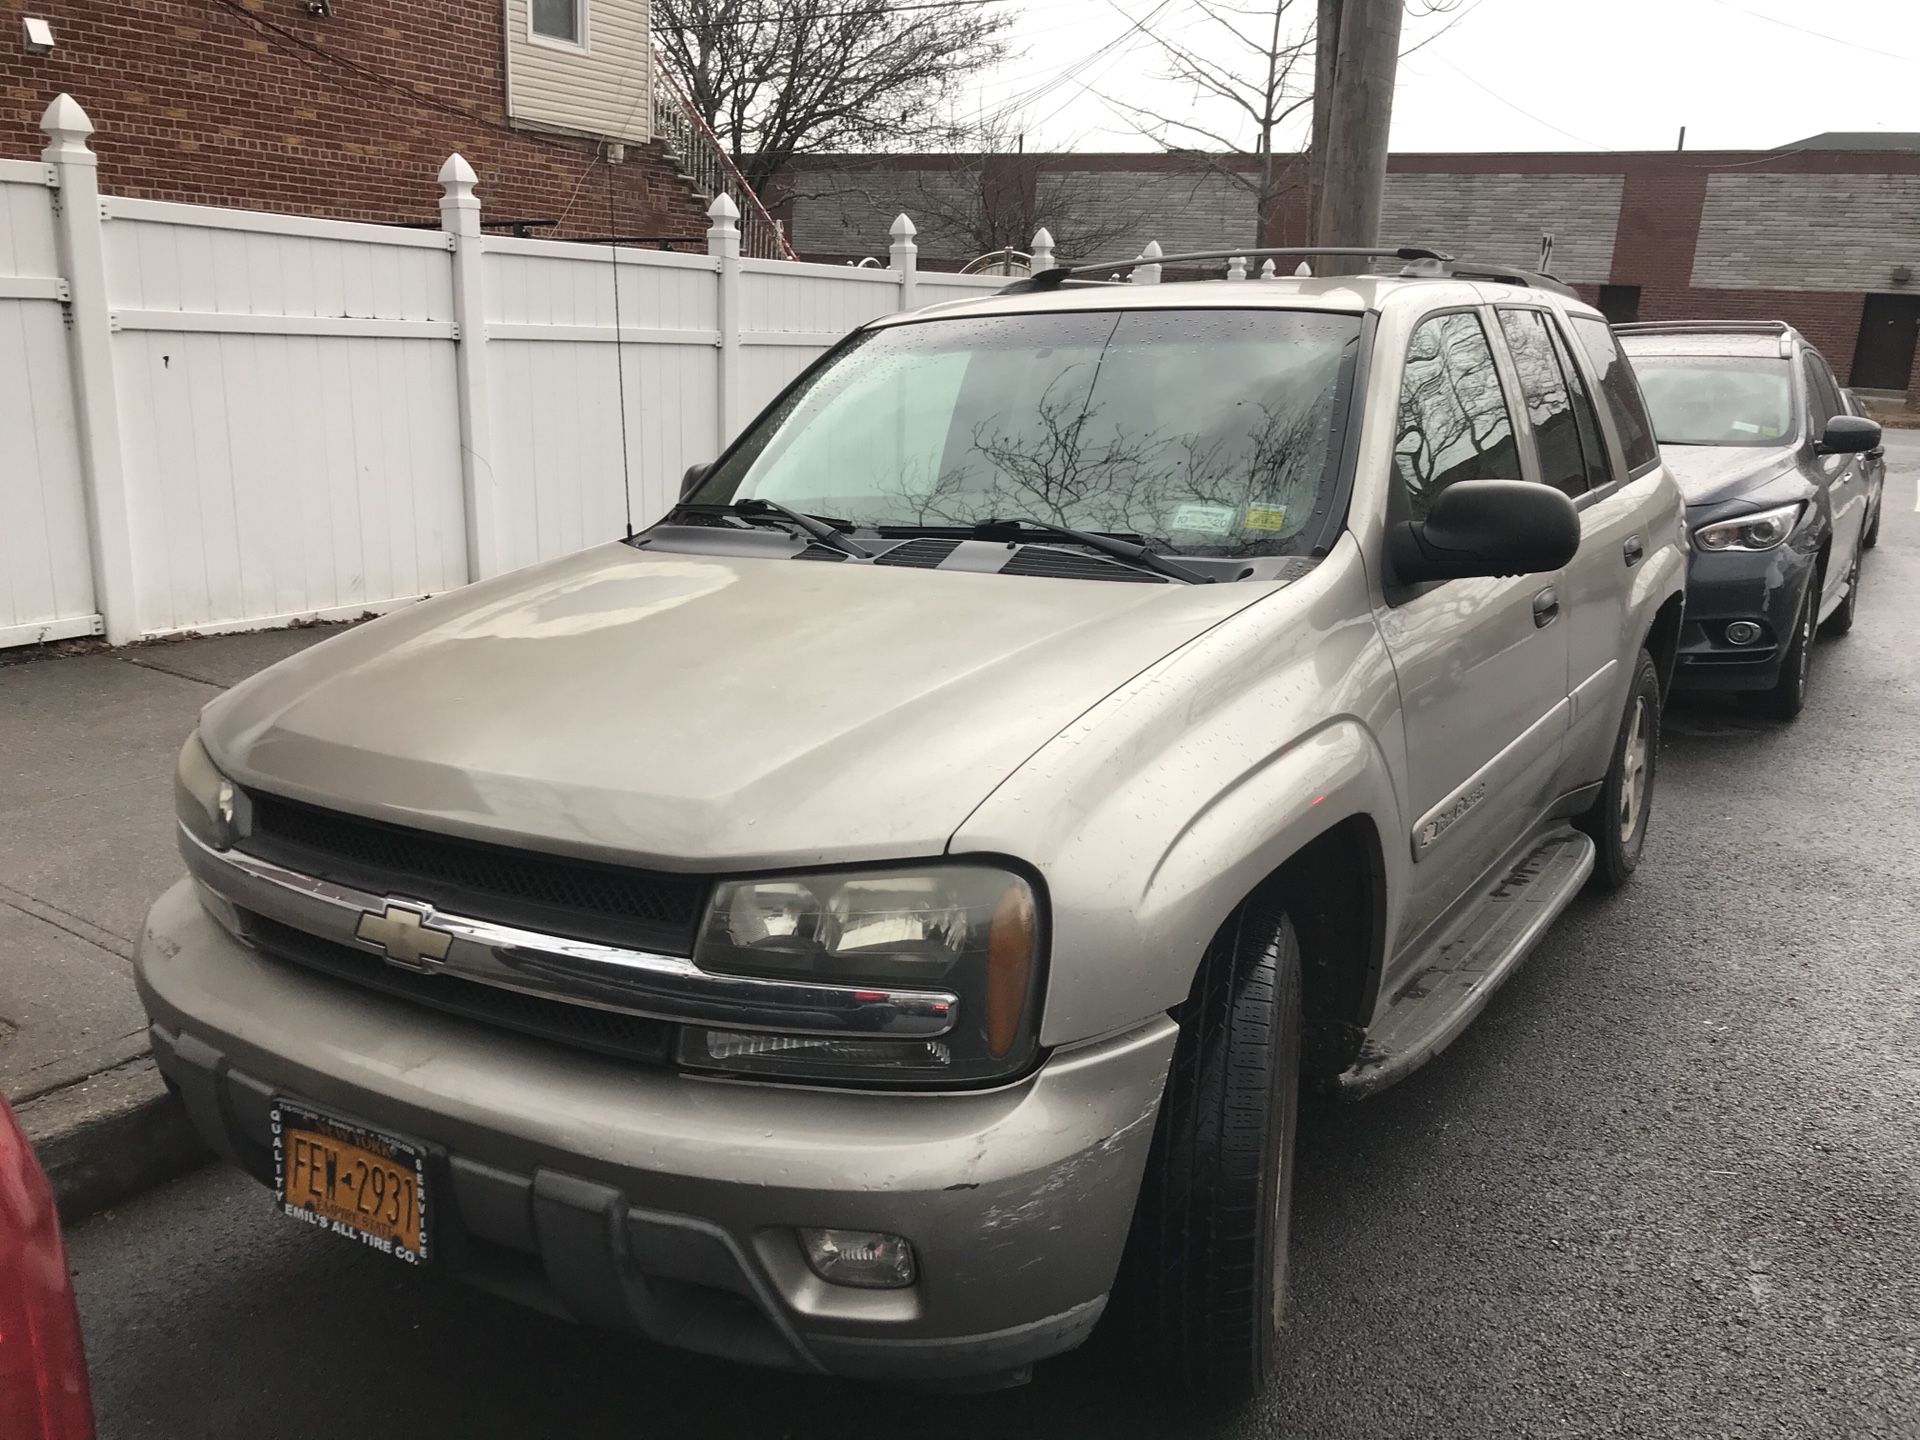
1709, 474
694, 712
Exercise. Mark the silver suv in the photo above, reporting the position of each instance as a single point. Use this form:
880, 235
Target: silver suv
883, 913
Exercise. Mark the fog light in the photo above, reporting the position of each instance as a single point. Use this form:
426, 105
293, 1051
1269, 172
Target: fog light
1743, 632
869, 1259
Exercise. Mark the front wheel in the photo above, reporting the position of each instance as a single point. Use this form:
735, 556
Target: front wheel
1871, 536
1618, 820
1788, 697
1206, 1271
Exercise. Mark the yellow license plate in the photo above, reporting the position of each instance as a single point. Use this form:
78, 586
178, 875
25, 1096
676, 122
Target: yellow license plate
350, 1180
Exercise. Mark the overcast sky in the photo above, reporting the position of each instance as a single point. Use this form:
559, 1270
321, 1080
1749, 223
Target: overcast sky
1503, 74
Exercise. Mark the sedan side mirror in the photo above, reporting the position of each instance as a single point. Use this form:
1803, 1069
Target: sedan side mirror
690, 481
1848, 435
1487, 527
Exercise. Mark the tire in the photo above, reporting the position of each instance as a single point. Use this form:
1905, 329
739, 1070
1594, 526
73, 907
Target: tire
1205, 1279
1870, 537
1617, 821
1841, 621
1789, 693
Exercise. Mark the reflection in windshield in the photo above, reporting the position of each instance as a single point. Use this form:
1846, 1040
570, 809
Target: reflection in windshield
1717, 400
1201, 431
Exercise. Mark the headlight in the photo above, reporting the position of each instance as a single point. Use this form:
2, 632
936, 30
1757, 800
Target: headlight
972, 930
202, 796
1762, 530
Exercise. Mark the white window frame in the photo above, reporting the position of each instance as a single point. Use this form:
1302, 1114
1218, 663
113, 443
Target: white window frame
582, 10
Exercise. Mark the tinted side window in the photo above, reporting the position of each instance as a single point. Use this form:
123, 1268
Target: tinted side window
1619, 390
1823, 398
1592, 443
1453, 421
1543, 384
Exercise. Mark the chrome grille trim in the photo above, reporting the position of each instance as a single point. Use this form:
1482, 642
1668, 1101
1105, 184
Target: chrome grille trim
635, 982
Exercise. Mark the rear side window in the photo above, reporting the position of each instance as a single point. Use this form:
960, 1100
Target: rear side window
1619, 391
1453, 423
1548, 390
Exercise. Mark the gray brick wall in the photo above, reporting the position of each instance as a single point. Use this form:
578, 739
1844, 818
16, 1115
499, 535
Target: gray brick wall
1500, 218
1183, 212
848, 213
1807, 232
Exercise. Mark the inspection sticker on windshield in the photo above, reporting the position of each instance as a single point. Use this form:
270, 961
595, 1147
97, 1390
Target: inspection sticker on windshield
1265, 517
1207, 519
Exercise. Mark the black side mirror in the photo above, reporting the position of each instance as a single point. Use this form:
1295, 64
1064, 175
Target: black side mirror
1487, 527
1848, 435
691, 480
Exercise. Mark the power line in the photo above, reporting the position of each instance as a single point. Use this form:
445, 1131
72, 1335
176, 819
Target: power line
1817, 34
1594, 144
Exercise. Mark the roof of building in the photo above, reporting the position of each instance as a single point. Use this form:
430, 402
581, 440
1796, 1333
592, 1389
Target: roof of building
1859, 140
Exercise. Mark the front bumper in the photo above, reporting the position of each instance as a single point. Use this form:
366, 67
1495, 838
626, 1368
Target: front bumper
664, 1204
1728, 585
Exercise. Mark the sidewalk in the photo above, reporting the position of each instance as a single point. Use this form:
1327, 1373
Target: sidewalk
87, 747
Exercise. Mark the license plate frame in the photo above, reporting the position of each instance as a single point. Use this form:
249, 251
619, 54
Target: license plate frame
304, 1138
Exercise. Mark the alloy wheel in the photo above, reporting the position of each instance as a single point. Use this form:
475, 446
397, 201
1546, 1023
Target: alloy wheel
1635, 772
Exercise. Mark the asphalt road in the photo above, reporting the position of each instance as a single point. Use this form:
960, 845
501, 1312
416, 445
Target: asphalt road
1669, 1183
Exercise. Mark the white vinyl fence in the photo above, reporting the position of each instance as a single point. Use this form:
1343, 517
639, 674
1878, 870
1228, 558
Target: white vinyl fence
219, 419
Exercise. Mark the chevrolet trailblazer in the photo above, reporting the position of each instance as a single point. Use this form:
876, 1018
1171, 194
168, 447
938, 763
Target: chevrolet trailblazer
878, 919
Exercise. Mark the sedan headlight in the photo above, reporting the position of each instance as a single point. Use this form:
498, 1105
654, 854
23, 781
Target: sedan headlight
1762, 530
203, 798
969, 930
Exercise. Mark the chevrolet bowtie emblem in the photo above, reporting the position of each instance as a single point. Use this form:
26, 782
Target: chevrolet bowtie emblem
403, 934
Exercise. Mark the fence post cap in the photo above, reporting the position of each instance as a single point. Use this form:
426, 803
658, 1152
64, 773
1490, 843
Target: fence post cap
457, 172
1303, 270
902, 228
1152, 251
723, 210
65, 122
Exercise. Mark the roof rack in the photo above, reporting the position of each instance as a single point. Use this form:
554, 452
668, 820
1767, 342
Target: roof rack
1060, 274
1683, 327
1780, 328
1421, 263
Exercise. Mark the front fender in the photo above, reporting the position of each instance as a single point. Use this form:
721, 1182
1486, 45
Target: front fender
1160, 809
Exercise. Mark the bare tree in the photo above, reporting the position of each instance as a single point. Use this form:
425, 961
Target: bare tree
778, 78
1256, 64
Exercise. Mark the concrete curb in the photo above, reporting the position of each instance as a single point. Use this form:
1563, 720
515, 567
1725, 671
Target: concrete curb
109, 1137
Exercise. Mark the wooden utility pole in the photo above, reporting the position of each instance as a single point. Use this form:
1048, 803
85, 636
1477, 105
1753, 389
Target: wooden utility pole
1358, 117
1326, 49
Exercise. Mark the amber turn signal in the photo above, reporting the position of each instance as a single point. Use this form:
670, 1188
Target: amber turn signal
1009, 967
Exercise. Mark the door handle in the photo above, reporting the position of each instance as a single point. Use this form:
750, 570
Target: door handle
1546, 607
1633, 550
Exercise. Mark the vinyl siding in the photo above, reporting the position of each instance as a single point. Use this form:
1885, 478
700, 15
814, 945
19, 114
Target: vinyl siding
605, 89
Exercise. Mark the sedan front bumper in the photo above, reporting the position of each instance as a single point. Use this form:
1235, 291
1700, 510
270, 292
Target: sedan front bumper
657, 1202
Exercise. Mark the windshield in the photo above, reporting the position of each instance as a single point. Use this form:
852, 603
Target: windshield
1717, 400
1205, 432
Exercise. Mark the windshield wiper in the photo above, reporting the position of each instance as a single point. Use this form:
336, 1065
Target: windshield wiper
1015, 529
813, 526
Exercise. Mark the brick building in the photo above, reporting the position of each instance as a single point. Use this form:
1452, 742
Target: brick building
1824, 234
349, 110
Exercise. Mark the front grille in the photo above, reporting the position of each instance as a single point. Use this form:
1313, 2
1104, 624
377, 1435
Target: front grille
1071, 565
606, 1032
584, 899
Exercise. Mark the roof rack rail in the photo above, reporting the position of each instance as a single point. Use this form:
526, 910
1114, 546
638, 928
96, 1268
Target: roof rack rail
1421, 263
1684, 327
1061, 274
1513, 275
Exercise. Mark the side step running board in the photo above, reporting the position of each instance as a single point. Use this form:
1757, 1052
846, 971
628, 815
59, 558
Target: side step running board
1469, 964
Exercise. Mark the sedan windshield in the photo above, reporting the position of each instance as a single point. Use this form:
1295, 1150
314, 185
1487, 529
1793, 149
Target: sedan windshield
1206, 432
1717, 400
